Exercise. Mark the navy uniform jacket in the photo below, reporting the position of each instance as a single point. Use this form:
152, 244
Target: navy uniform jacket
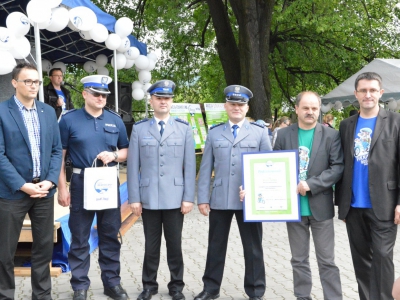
16, 166
223, 155
161, 170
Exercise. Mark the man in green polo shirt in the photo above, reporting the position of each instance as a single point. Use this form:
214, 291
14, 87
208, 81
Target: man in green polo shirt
320, 167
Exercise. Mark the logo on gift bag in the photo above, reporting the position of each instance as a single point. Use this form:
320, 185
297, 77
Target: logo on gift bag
102, 186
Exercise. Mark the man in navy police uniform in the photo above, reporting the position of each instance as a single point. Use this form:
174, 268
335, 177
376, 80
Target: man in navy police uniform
224, 145
89, 133
161, 185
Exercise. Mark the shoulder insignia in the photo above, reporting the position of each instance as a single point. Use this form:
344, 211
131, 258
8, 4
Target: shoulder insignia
69, 111
141, 121
181, 121
216, 125
257, 124
111, 111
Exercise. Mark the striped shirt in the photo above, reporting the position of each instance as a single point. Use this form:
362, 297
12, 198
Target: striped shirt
32, 124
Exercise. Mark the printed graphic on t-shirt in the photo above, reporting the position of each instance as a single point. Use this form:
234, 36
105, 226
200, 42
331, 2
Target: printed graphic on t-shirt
362, 144
304, 159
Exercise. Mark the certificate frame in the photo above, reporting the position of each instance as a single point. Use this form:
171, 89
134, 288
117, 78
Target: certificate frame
270, 180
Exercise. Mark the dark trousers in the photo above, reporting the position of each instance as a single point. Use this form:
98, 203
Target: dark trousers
12, 214
251, 235
80, 223
154, 221
371, 244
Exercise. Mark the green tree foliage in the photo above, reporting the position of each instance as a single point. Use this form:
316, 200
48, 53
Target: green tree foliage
277, 48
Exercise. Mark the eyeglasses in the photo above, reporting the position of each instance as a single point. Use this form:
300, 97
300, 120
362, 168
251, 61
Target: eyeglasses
371, 92
59, 76
95, 94
29, 82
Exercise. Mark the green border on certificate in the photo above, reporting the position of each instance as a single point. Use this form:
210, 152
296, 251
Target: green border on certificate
270, 181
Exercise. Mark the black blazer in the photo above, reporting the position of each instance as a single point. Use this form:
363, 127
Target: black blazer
51, 98
325, 167
383, 165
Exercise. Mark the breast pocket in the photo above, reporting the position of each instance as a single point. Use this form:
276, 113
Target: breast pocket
111, 135
248, 146
148, 147
175, 147
221, 150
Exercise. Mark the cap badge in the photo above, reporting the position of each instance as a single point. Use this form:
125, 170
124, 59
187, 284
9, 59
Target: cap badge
237, 89
166, 83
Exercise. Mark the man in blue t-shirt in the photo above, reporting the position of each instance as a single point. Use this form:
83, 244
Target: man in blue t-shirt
320, 167
368, 193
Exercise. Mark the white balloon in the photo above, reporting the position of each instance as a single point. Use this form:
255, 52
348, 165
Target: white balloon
101, 60
18, 23
46, 65
113, 41
59, 19
146, 86
60, 65
123, 26
129, 63
392, 104
136, 85
44, 25
144, 76
138, 94
325, 109
152, 65
142, 62
132, 53
124, 45
102, 71
7, 39
53, 3
82, 18
85, 35
152, 56
7, 62
121, 61
22, 48
99, 33
38, 11
72, 26
338, 105
90, 66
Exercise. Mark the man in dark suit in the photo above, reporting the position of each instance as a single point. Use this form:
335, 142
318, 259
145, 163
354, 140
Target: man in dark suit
30, 161
320, 167
222, 154
368, 193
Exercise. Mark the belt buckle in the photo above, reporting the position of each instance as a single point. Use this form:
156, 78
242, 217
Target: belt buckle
36, 180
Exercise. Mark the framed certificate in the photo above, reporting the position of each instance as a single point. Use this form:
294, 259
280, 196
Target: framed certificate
270, 180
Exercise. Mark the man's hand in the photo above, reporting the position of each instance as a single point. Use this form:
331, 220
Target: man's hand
60, 102
64, 197
34, 190
45, 185
397, 215
242, 193
302, 188
186, 207
136, 209
106, 157
204, 209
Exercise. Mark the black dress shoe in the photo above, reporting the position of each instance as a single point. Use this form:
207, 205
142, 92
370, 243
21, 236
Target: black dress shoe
146, 294
177, 295
116, 292
256, 298
80, 295
206, 296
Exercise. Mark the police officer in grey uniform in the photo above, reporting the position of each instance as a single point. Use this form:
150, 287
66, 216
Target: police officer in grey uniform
87, 134
161, 185
224, 145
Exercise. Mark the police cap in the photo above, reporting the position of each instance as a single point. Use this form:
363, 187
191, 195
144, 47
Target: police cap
162, 88
97, 83
237, 94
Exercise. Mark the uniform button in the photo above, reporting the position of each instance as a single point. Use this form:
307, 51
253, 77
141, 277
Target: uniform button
233, 155
161, 165
234, 146
161, 145
232, 173
161, 154
233, 164
161, 175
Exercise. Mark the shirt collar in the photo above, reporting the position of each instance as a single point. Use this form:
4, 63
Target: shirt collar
89, 116
165, 120
240, 124
21, 106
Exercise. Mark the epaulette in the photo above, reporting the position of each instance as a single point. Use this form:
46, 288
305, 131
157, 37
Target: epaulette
111, 111
257, 124
69, 111
182, 121
216, 125
141, 121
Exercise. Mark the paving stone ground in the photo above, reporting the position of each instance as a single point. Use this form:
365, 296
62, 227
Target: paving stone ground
195, 232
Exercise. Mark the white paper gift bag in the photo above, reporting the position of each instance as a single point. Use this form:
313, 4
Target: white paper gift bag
100, 188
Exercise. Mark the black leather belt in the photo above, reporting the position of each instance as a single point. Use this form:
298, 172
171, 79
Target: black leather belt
36, 180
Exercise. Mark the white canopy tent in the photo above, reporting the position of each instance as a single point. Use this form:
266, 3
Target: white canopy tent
388, 69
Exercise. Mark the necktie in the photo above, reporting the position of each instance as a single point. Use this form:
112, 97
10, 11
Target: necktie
161, 123
234, 132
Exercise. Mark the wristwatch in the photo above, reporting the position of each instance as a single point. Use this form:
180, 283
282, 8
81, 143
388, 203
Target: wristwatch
115, 155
